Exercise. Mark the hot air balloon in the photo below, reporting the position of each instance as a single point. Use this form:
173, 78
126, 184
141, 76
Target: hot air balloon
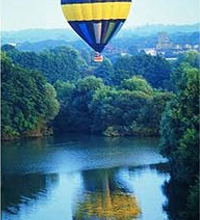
96, 21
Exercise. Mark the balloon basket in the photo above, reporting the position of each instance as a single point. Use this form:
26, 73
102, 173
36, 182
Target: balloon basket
98, 58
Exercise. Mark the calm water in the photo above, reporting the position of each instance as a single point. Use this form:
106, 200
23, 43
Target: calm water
86, 178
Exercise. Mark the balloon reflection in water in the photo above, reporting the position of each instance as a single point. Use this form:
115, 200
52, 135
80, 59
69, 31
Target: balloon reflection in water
117, 206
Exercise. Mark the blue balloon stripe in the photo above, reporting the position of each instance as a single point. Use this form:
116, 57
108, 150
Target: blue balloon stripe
85, 29
86, 33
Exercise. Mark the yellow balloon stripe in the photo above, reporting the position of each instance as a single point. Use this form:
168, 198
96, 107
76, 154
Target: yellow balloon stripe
96, 11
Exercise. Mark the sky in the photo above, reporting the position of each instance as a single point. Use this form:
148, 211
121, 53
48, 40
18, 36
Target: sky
31, 14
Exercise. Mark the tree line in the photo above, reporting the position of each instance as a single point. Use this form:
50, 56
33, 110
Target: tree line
121, 97
68, 64
90, 106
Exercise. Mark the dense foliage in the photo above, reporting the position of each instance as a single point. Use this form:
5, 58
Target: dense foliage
62, 63
67, 64
155, 70
114, 98
28, 102
89, 105
180, 132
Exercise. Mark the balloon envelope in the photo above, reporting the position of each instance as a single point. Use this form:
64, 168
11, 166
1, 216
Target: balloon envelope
96, 21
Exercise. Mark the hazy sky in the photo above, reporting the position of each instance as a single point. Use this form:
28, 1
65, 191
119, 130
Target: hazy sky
27, 14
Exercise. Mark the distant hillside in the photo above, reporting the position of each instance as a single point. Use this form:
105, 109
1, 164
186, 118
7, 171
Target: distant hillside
154, 29
41, 45
35, 35
130, 44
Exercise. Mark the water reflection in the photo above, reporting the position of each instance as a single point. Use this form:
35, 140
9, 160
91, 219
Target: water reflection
116, 206
18, 189
49, 196
105, 198
83, 179
177, 194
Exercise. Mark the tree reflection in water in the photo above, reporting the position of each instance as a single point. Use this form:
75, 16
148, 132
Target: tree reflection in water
177, 199
105, 199
24, 189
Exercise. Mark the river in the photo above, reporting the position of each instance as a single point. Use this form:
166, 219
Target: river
83, 177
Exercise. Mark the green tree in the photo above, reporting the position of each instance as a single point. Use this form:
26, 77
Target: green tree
75, 99
105, 71
26, 100
181, 117
152, 113
61, 63
156, 70
186, 60
52, 104
137, 83
180, 138
133, 109
191, 57
64, 90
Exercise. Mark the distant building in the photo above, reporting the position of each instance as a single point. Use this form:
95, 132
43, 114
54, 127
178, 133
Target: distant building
187, 47
123, 54
164, 42
172, 59
177, 47
167, 49
150, 51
